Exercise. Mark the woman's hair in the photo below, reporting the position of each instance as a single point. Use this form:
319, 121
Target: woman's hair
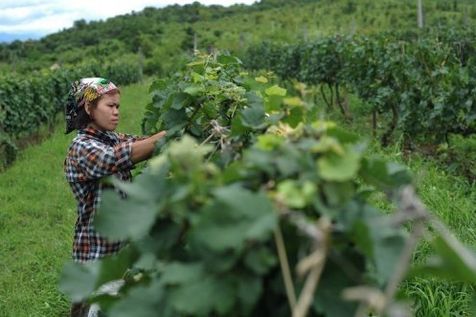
83, 119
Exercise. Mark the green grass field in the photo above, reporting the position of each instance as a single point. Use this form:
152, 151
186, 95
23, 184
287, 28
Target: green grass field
452, 199
37, 214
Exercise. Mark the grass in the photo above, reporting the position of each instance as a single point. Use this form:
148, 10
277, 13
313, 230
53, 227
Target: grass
37, 215
452, 199
438, 298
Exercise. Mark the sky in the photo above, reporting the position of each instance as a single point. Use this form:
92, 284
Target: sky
24, 19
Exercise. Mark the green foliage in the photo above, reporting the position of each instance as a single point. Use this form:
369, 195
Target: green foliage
8, 150
422, 86
158, 33
213, 98
28, 103
206, 246
460, 156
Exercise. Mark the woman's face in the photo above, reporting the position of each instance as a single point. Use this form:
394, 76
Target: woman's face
105, 116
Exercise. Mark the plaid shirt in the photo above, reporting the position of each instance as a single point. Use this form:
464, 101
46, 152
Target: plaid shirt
92, 155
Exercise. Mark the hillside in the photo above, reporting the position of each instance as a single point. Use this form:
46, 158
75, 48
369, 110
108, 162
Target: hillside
161, 36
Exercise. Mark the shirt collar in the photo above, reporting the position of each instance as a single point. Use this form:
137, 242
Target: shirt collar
108, 137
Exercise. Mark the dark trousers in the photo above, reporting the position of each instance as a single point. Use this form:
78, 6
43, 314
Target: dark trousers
79, 310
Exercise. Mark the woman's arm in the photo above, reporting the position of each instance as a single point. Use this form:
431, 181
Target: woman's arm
143, 149
94, 160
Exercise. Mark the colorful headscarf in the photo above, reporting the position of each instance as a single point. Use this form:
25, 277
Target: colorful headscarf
82, 91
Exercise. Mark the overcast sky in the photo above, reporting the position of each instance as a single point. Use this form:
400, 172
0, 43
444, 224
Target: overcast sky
23, 19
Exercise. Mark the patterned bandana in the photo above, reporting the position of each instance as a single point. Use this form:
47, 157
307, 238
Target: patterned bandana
82, 91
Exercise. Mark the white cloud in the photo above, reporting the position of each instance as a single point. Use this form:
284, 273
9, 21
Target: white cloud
23, 3
43, 16
45, 24
38, 17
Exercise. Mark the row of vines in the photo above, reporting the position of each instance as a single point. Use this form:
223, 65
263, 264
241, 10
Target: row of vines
421, 84
28, 103
252, 207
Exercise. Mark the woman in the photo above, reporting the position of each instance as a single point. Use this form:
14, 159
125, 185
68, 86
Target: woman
96, 152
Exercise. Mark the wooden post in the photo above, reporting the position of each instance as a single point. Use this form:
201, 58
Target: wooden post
305, 33
241, 41
420, 14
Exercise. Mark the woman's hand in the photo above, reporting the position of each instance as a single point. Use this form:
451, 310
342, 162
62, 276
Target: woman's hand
159, 135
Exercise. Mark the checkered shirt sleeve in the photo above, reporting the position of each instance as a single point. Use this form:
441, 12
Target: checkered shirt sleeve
96, 160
